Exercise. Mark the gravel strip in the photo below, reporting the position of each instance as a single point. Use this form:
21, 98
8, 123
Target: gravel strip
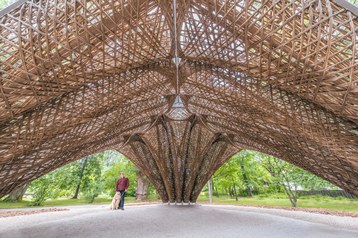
30, 212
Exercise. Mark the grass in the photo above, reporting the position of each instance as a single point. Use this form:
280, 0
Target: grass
339, 203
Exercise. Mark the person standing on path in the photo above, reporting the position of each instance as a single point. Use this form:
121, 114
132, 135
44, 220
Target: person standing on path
122, 186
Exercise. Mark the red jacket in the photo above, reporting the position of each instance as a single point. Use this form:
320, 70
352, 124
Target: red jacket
122, 183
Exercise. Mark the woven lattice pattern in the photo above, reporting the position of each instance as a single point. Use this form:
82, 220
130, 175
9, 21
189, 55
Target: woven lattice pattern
178, 156
79, 77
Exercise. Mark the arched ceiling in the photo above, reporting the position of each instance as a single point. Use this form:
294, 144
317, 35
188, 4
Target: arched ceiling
77, 77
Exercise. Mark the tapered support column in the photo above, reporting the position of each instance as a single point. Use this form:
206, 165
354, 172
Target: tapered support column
179, 157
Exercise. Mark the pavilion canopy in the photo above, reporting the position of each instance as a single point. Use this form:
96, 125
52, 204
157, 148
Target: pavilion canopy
179, 81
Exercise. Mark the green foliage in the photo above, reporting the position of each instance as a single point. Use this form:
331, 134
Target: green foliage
354, 2
231, 174
112, 174
6, 3
251, 172
309, 181
42, 189
98, 176
92, 181
57, 183
63, 181
246, 173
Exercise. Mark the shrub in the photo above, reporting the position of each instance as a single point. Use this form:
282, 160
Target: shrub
92, 191
41, 190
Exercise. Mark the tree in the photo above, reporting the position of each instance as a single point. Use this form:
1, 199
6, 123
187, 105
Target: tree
244, 156
92, 181
42, 188
142, 186
283, 172
118, 164
309, 181
89, 177
245, 171
83, 166
227, 179
17, 194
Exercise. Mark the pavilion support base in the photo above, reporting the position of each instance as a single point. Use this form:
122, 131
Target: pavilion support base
178, 157
180, 203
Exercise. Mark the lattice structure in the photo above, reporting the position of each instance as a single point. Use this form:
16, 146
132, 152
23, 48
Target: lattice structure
178, 93
178, 156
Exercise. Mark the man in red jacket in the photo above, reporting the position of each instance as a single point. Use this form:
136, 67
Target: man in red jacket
122, 186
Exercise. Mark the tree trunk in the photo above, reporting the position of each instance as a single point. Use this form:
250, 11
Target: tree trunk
246, 180
84, 163
142, 186
17, 194
210, 186
235, 193
276, 169
215, 189
291, 194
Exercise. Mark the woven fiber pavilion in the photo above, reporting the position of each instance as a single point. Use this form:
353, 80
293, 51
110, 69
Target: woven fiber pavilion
179, 87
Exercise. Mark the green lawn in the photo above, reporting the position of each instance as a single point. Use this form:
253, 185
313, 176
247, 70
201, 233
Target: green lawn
340, 203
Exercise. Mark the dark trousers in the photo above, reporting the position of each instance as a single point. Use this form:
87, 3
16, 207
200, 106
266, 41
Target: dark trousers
121, 203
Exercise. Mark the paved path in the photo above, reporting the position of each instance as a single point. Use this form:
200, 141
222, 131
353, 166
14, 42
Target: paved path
178, 221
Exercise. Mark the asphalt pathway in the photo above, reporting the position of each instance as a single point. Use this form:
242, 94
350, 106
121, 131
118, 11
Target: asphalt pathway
177, 221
